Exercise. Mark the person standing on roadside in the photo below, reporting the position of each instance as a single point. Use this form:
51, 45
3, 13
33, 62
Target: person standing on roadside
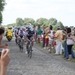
44, 31
47, 38
66, 54
74, 31
39, 32
51, 39
70, 42
58, 36
35, 34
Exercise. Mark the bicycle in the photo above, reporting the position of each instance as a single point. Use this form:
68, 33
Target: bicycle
16, 41
30, 49
21, 45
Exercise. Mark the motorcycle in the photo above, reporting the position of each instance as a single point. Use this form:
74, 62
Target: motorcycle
9, 35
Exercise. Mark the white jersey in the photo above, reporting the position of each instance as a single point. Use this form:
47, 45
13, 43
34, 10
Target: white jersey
51, 34
19, 33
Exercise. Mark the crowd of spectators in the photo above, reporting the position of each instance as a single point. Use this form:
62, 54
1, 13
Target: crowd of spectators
60, 40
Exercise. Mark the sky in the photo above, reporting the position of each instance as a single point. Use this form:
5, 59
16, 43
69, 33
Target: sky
62, 10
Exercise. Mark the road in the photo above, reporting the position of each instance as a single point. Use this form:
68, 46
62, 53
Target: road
41, 63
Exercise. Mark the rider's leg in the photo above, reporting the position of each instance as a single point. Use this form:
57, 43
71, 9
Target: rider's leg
18, 39
32, 42
23, 40
27, 45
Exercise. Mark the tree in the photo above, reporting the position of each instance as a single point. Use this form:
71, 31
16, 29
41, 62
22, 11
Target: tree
42, 21
13, 24
52, 21
60, 24
0, 18
2, 3
19, 22
29, 20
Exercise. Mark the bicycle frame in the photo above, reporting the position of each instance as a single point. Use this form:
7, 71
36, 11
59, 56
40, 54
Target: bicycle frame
21, 44
30, 49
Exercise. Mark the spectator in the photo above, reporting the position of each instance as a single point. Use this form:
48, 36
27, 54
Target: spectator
66, 54
74, 31
44, 31
4, 61
51, 39
35, 33
47, 38
1, 37
58, 36
70, 42
39, 32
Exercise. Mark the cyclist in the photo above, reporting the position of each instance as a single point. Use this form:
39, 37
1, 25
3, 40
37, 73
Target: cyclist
21, 35
16, 34
29, 36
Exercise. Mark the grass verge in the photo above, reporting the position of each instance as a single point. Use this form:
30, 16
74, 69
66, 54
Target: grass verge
72, 60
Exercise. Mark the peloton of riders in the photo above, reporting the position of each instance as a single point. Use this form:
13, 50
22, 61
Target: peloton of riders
26, 34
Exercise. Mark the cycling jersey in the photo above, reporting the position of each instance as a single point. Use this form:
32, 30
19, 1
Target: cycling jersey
29, 34
21, 33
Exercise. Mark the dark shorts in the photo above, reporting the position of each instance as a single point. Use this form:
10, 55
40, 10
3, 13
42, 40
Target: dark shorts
29, 37
21, 36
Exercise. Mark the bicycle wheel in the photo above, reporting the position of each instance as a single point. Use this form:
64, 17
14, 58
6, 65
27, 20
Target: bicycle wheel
19, 44
28, 50
21, 47
30, 53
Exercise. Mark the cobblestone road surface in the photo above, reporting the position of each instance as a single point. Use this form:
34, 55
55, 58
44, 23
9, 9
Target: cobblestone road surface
42, 63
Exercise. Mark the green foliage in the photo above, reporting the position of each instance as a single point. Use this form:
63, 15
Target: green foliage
42, 21
74, 47
65, 26
19, 22
52, 21
29, 20
2, 3
54, 27
13, 24
60, 24
0, 18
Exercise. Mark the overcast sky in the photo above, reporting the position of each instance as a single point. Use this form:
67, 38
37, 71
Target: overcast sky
62, 10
